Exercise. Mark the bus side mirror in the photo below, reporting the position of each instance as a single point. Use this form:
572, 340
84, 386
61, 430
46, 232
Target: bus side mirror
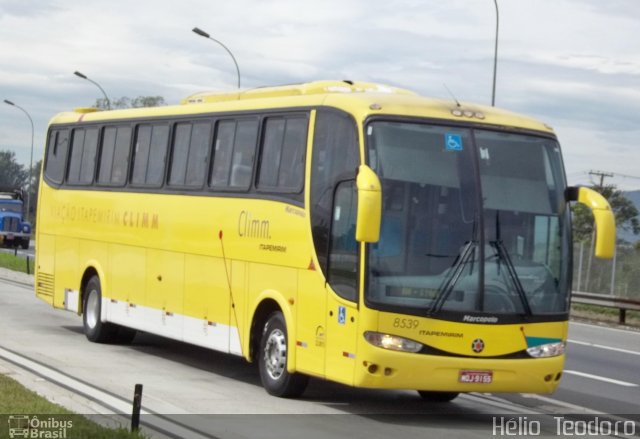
369, 205
604, 218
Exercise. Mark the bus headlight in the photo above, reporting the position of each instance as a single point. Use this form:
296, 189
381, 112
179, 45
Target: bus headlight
547, 350
393, 342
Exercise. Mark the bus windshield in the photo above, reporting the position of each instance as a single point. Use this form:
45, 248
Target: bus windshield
473, 221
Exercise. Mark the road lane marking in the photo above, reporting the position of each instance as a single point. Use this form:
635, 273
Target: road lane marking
590, 325
578, 410
497, 402
609, 348
599, 378
565, 405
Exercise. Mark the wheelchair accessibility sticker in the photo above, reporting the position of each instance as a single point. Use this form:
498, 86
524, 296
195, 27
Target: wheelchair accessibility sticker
342, 315
453, 142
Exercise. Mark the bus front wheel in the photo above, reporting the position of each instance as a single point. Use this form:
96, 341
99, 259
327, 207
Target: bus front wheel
94, 329
437, 396
272, 361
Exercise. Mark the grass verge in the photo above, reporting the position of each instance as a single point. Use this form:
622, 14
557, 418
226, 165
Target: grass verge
16, 400
16, 263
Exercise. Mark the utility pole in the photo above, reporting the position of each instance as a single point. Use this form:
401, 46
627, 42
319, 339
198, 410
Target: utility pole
495, 57
602, 175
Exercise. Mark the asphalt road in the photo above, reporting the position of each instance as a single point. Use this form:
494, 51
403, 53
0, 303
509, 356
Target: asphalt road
208, 394
612, 357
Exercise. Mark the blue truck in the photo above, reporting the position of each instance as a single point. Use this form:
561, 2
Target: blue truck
14, 229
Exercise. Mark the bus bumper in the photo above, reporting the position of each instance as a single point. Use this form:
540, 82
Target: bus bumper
382, 368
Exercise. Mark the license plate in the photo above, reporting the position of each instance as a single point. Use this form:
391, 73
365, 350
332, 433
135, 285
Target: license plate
9, 237
475, 376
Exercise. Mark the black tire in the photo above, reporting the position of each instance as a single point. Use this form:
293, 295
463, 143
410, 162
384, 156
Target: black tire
95, 330
437, 396
25, 244
272, 361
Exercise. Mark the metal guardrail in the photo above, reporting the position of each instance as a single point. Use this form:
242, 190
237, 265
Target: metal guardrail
622, 304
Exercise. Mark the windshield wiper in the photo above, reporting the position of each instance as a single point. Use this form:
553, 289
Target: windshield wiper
503, 254
454, 275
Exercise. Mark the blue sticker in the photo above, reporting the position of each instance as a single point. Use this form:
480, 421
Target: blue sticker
342, 315
453, 142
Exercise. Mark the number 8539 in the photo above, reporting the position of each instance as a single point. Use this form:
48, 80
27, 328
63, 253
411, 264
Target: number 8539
405, 323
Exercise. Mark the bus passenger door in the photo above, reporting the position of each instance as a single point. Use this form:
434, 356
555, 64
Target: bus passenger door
342, 286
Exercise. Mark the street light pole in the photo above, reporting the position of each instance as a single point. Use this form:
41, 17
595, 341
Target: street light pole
206, 35
80, 75
495, 57
8, 102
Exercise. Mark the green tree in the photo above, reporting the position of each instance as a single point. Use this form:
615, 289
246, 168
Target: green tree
624, 210
126, 102
12, 174
33, 193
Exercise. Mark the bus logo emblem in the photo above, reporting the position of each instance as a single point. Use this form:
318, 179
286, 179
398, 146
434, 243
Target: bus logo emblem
477, 345
342, 315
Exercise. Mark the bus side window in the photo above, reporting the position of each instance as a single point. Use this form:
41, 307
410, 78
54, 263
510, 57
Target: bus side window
114, 156
75, 156
57, 156
282, 157
234, 154
198, 154
157, 155
190, 154
244, 152
141, 154
180, 154
82, 160
222, 150
343, 251
150, 155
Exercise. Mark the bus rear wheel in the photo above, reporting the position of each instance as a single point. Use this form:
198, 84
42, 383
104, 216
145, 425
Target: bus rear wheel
272, 361
437, 396
94, 329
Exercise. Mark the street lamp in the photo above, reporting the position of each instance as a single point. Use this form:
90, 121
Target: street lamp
8, 102
80, 75
495, 57
206, 35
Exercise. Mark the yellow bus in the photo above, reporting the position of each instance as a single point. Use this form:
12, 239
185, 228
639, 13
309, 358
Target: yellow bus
342, 230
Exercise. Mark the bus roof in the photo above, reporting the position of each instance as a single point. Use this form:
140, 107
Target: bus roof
362, 99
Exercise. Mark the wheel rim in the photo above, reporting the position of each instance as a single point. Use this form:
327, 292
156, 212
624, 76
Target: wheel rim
92, 309
275, 354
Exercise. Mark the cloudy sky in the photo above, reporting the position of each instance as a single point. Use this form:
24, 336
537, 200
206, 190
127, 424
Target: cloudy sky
575, 64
